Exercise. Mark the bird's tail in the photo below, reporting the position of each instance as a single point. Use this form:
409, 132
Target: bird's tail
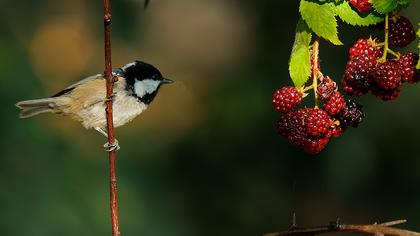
31, 108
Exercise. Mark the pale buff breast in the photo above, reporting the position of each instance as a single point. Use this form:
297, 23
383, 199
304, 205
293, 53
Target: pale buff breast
88, 104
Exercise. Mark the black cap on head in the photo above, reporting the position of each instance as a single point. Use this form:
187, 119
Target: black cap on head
141, 70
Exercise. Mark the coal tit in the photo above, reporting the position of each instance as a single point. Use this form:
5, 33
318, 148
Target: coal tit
85, 101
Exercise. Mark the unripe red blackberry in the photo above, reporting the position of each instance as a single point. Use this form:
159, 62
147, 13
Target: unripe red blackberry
351, 115
387, 75
337, 131
386, 94
401, 31
286, 98
361, 5
335, 104
315, 145
326, 88
407, 63
317, 122
365, 47
357, 77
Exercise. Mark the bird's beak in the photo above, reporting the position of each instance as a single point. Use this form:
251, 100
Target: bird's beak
166, 81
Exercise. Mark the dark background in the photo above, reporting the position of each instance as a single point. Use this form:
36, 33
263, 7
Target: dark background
205, 158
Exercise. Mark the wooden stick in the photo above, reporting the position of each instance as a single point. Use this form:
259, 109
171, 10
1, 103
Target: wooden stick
110, 123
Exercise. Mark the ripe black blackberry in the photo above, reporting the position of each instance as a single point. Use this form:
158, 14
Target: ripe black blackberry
351, 115
386, 94
365, 47
317, 122
352, 89
288, 122
326, 87
335, 104
290, 125
357, 77
387, 75
298, 136
401, 31
407, 63
286, 98
361, 5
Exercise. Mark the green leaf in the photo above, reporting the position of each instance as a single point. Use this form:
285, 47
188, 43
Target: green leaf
321, 19
300, 64
384, 6
348, 15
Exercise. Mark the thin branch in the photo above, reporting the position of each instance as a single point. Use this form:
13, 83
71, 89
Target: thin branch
375, 229
110, 123
315, 55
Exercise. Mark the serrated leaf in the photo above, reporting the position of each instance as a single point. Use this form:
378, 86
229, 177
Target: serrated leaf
384, 6
299, 64
348, 15
303, 35
321, 19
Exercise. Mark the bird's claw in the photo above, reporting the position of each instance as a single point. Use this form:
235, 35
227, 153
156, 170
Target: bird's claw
111, 98
112, 147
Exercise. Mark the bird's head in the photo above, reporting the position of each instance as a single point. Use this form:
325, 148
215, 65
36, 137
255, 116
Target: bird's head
143, 80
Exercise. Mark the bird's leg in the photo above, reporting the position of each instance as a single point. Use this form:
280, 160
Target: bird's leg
108, 147
111, 98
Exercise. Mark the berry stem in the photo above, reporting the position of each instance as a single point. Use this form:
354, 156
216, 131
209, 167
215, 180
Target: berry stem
315, 54
397, 55
386, 48
308, 88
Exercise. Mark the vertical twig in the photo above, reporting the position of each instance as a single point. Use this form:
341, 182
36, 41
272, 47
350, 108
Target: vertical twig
315, 55
110, 123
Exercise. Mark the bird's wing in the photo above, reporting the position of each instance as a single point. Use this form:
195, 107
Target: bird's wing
83, 81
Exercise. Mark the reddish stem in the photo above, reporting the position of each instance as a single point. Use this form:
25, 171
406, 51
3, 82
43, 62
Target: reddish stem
110, 123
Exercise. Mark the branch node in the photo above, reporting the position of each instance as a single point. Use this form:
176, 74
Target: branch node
107, 18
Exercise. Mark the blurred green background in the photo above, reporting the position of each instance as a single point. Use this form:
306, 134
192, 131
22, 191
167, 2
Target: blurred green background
205, 158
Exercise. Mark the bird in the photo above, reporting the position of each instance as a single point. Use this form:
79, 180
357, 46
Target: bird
136, 85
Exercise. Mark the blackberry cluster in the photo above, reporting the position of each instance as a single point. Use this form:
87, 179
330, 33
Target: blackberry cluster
365, 72
312, 128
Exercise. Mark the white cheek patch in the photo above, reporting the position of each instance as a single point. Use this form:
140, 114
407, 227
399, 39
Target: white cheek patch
145, 86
